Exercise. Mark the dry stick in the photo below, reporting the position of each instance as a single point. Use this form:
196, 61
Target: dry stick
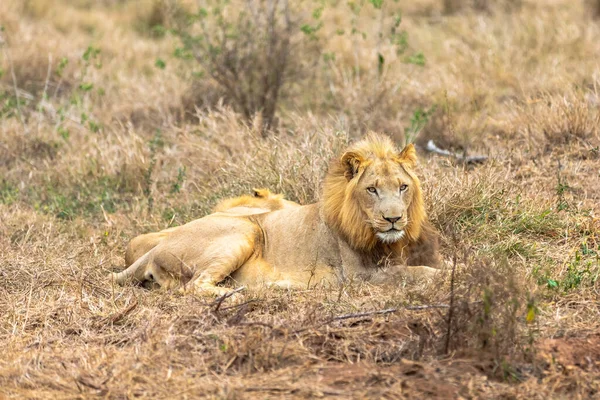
222, 298
239, 305
387, 311
378, 312
431, 147
119, 315
451, 310
363, 314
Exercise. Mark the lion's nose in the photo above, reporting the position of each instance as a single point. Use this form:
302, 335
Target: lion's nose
392, 219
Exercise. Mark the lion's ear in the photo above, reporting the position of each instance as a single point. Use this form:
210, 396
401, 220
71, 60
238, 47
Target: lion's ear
260, 193
408, 155
351, 162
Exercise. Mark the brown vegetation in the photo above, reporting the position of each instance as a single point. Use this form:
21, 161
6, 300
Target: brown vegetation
105, 135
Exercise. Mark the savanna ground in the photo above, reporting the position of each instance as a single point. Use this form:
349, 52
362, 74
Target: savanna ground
109, 128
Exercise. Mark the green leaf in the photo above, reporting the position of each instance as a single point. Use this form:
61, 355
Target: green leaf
530, 313
380, 63
182, 53
90, 53
327, 57
354, 6
552, 284
317, 13
397, 20
86, 87
158, 30
94, 127
63, 132
417, 59
159, 63
376, 3
308, 29
62, 64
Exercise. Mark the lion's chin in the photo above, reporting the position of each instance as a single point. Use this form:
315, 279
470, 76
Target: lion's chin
391, 236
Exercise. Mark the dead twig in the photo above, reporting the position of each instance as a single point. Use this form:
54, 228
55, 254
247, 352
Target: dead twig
361, 315
239, 305
217, 303
451, 308
114, 318
377, 312
387, 311
432, 148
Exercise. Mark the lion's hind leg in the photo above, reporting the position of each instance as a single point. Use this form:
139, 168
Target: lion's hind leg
135, 272
140, 245
150, 274
200, 255
217, 262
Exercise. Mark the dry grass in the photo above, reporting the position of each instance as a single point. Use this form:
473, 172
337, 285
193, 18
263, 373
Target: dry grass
108, 144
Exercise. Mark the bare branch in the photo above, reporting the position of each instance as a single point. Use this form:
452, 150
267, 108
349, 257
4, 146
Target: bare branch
363, 314
378, 312
217, 303
116, 317
478, 159
451, 310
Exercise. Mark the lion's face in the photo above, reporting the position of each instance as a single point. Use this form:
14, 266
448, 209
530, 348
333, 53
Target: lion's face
384, 193
371, 195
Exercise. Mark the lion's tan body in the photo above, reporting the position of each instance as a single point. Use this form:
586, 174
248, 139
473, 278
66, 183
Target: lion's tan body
371, 217
261, 201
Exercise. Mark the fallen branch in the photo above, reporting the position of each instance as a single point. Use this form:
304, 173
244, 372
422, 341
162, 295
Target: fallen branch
240, 305
451, 309
387, 311
116, 317
431, 147
217, 303
377, 312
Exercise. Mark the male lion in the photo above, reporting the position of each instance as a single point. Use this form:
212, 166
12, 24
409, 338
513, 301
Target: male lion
371, 217
261, 201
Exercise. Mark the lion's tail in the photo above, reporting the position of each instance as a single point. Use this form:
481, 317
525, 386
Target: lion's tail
135, 271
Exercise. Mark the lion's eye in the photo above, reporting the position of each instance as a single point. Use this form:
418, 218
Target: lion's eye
371, 189
403, 187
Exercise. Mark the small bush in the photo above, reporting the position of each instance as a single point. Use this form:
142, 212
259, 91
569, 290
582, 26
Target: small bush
248, 52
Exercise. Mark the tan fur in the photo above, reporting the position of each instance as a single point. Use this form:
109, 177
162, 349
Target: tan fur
371, 218
261, 201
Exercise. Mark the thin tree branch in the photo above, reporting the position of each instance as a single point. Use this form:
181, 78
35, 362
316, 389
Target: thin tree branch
217, 303
478, 159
